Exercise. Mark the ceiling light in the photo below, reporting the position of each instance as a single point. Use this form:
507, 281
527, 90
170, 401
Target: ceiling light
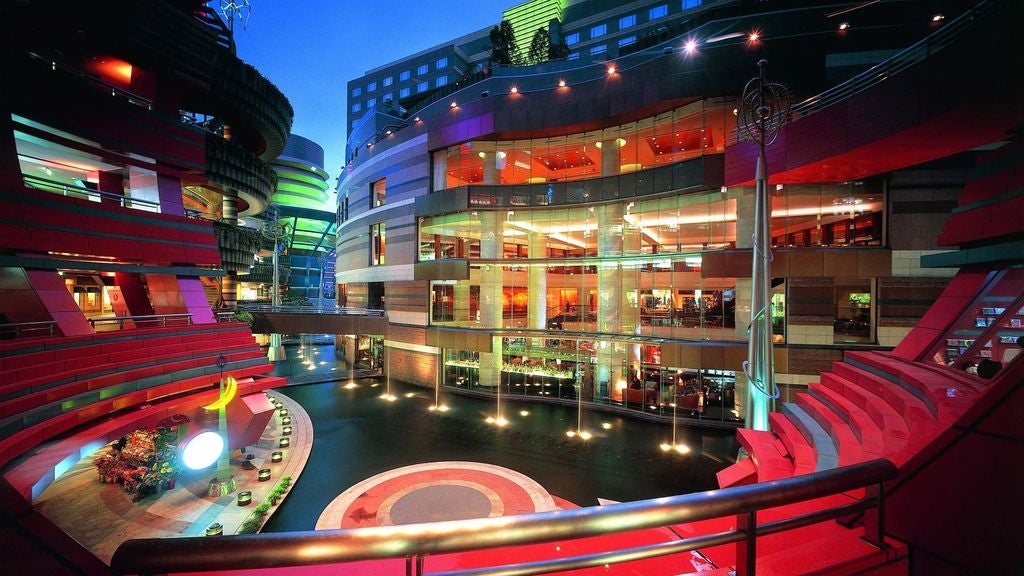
938, 18
754, 36
454, 104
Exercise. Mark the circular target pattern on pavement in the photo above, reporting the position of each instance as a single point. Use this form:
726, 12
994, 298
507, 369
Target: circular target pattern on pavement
435, 492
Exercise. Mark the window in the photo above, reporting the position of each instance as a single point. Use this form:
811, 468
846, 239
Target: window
357, 91
403, 93
573, 56
657, 12
598, 31
573, 38
422, 69
371, 86
377, 243
387, 81
357, 107
371, 103
388, 98
627, 21
626, 41
442, 62
441, 81
598, 49
422, 86
378, 192
687, 4
404, 75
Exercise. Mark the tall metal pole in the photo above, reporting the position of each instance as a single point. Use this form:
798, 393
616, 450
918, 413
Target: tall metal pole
764, 109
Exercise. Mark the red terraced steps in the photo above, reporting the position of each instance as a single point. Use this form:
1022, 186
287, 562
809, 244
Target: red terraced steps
53, 384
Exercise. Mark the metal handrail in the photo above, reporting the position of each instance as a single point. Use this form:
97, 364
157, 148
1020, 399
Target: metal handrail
66, 189
120, 320
415, 541
18, 327
225, 316
904, 59
346, 311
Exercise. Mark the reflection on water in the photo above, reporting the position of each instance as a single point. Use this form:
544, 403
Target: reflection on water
358, 435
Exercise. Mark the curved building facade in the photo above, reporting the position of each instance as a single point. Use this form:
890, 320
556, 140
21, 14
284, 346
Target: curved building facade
581, 228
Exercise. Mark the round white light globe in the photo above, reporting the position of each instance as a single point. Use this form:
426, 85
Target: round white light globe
202, 450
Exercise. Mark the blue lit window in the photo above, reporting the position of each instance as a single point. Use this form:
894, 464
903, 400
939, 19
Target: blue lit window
441, 81
357, 91
404, 75
573, 56
357, 107
658, 12
403, 93
626, 41
690, 4
371, 86
422, 69
371, 103
627, 21
442, 62
573, 38
389, 97
422, 86
387, 81
598, 31
598, 49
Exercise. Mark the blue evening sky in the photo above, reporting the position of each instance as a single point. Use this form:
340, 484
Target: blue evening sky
311, 49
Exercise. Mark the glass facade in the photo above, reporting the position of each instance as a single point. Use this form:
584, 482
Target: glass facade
585, 251
686, 132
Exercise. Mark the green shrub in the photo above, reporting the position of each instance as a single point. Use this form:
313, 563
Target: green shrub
263, 509
251, 525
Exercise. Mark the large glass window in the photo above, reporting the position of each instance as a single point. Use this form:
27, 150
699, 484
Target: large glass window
627, 21
378, 192
598, 31
573, 38
657, 12
686, 132
377, 244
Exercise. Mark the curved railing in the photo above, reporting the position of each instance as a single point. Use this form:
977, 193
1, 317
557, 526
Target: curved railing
268, 308
17, 329
941, 38
414, 542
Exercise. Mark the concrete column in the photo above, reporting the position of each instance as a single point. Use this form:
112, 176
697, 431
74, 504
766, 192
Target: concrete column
744, 215
537, 285
609, 297
742, 310
229, 282
609, 157
491, 288
461, 303
491, 175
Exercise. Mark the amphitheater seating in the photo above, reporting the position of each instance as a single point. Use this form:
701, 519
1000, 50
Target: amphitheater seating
871, 405
53, 384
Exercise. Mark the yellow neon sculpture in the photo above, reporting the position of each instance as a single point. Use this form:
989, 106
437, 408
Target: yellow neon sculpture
229, 391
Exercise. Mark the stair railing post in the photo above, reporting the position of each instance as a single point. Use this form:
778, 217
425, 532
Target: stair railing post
746, 549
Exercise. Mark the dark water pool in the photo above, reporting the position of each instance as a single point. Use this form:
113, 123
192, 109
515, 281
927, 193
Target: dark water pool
357, 435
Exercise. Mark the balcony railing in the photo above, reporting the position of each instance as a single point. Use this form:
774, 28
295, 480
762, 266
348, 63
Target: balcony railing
84, 193
415, 542
162, 320
19, 329
268, 308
